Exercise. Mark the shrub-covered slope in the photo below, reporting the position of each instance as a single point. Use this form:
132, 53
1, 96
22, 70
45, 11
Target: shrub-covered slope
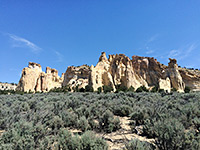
43, 121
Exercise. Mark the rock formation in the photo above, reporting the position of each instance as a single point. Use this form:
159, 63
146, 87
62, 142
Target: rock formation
7, 86
191, 78
174, 75
34, 80
113, 71
76, 76
165, 84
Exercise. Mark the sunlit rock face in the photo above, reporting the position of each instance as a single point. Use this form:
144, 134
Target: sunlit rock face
191, 78
76, 76
112, 71
173, 73
34, 80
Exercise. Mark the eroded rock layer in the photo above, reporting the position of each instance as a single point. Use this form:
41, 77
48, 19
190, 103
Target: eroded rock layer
112, 71
76, 76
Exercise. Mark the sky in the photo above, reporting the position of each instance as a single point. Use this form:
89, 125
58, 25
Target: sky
61, 33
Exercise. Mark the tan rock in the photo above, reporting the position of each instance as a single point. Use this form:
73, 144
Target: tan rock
34, 80
174, 75
76, 76
7, 86
149, 69
116, 70
29, 77
113, 71
165, 84
191, 78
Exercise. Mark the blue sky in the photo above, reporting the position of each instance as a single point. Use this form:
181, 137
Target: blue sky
74, 32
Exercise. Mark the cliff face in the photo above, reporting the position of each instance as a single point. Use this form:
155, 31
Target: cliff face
34, 80
191, 78
113, 71
140, 71
76, 76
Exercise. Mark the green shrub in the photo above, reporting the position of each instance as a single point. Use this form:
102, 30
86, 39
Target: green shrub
121, 88
131, 89
99, 90
89, 88
122, 110
81, 90
107, 89
86, 142
108, 123
187, 89
154, 89
169, 131
139, 145
90, 142
83, 124
142, 89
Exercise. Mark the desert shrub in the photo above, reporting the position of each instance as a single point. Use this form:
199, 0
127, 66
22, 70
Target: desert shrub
139, 145
191, 140
154, 89
108, 123
161, 90
196, 122
83, 124
142, 89
131, 89
87, 141
174, 90
90, 142
19, 137
44, 115
55, 124
187, 89
122, 110
107, 89
139, 116
81, 90
121, 88
67, 142
89, 88
99, 90
169, 131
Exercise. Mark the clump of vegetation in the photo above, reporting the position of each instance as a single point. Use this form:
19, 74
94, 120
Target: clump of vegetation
107, 89
139, 145
42, 120
142, 89
187, 89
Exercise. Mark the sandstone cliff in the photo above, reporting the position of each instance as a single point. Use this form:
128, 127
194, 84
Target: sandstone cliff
76, 76
112, 71
140, 71
191, 78
34, 80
